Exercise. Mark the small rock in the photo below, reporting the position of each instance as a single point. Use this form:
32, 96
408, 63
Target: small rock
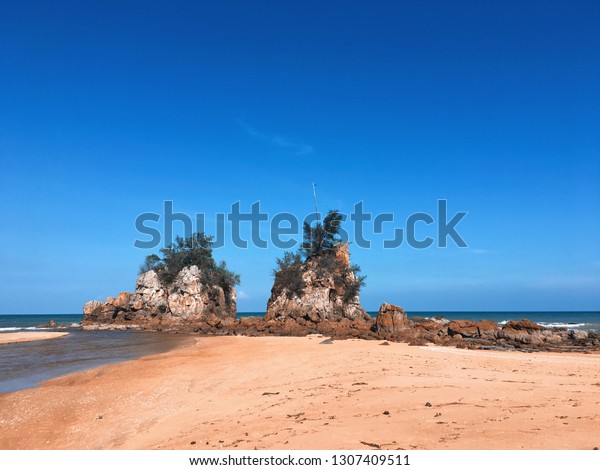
385, 343
386, 413
193, 443
428, 404
327, 341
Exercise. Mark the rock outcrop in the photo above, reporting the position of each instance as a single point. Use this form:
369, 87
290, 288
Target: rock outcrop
393, 325
524, 331
473, 329
325, 296
186, 303
391, 318
189, 305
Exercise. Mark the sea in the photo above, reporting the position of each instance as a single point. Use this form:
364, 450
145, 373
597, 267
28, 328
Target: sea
26, 365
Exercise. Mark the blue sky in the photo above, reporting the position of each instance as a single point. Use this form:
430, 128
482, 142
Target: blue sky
107, 109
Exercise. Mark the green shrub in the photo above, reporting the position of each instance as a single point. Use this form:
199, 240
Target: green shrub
319, 246
195, 250
289, 275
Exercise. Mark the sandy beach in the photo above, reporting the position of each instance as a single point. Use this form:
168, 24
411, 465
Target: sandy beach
26, 336
298, 393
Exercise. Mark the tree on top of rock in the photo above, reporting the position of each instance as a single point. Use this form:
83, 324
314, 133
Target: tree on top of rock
323, 237
319, 248
195, 250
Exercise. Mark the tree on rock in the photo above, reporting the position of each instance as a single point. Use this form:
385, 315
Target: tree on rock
318, 272
195, 250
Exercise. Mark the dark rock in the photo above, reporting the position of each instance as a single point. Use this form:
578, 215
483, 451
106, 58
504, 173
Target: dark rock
473, 329
464, 328
524, 324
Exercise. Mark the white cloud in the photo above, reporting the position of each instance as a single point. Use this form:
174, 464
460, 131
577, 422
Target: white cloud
242, 295
298, 148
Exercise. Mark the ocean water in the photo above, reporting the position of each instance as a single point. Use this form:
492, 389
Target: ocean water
25, 365
10, 323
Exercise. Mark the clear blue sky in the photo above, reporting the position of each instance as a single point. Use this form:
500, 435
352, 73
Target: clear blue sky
109, 108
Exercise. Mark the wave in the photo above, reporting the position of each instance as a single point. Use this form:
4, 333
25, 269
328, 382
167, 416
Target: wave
561, 325
22, 328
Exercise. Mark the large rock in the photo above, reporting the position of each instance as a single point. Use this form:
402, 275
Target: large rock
578, 334
464, 328
473, 329
150, 295
186, 302
322, 298
391, 318
191, 300
524, 332
93, 312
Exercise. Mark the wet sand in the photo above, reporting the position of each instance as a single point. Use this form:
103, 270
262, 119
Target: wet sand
25, 336
296, 393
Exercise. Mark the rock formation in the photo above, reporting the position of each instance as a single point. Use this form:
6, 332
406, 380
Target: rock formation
391, 318
392, 324
325, 295
186, 303
473, 329
323, 308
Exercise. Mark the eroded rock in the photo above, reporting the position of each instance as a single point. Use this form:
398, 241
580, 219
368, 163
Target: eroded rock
186, 304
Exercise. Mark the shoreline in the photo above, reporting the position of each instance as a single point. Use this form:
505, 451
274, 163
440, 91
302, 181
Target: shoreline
28, 336
301, 393
26, 365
